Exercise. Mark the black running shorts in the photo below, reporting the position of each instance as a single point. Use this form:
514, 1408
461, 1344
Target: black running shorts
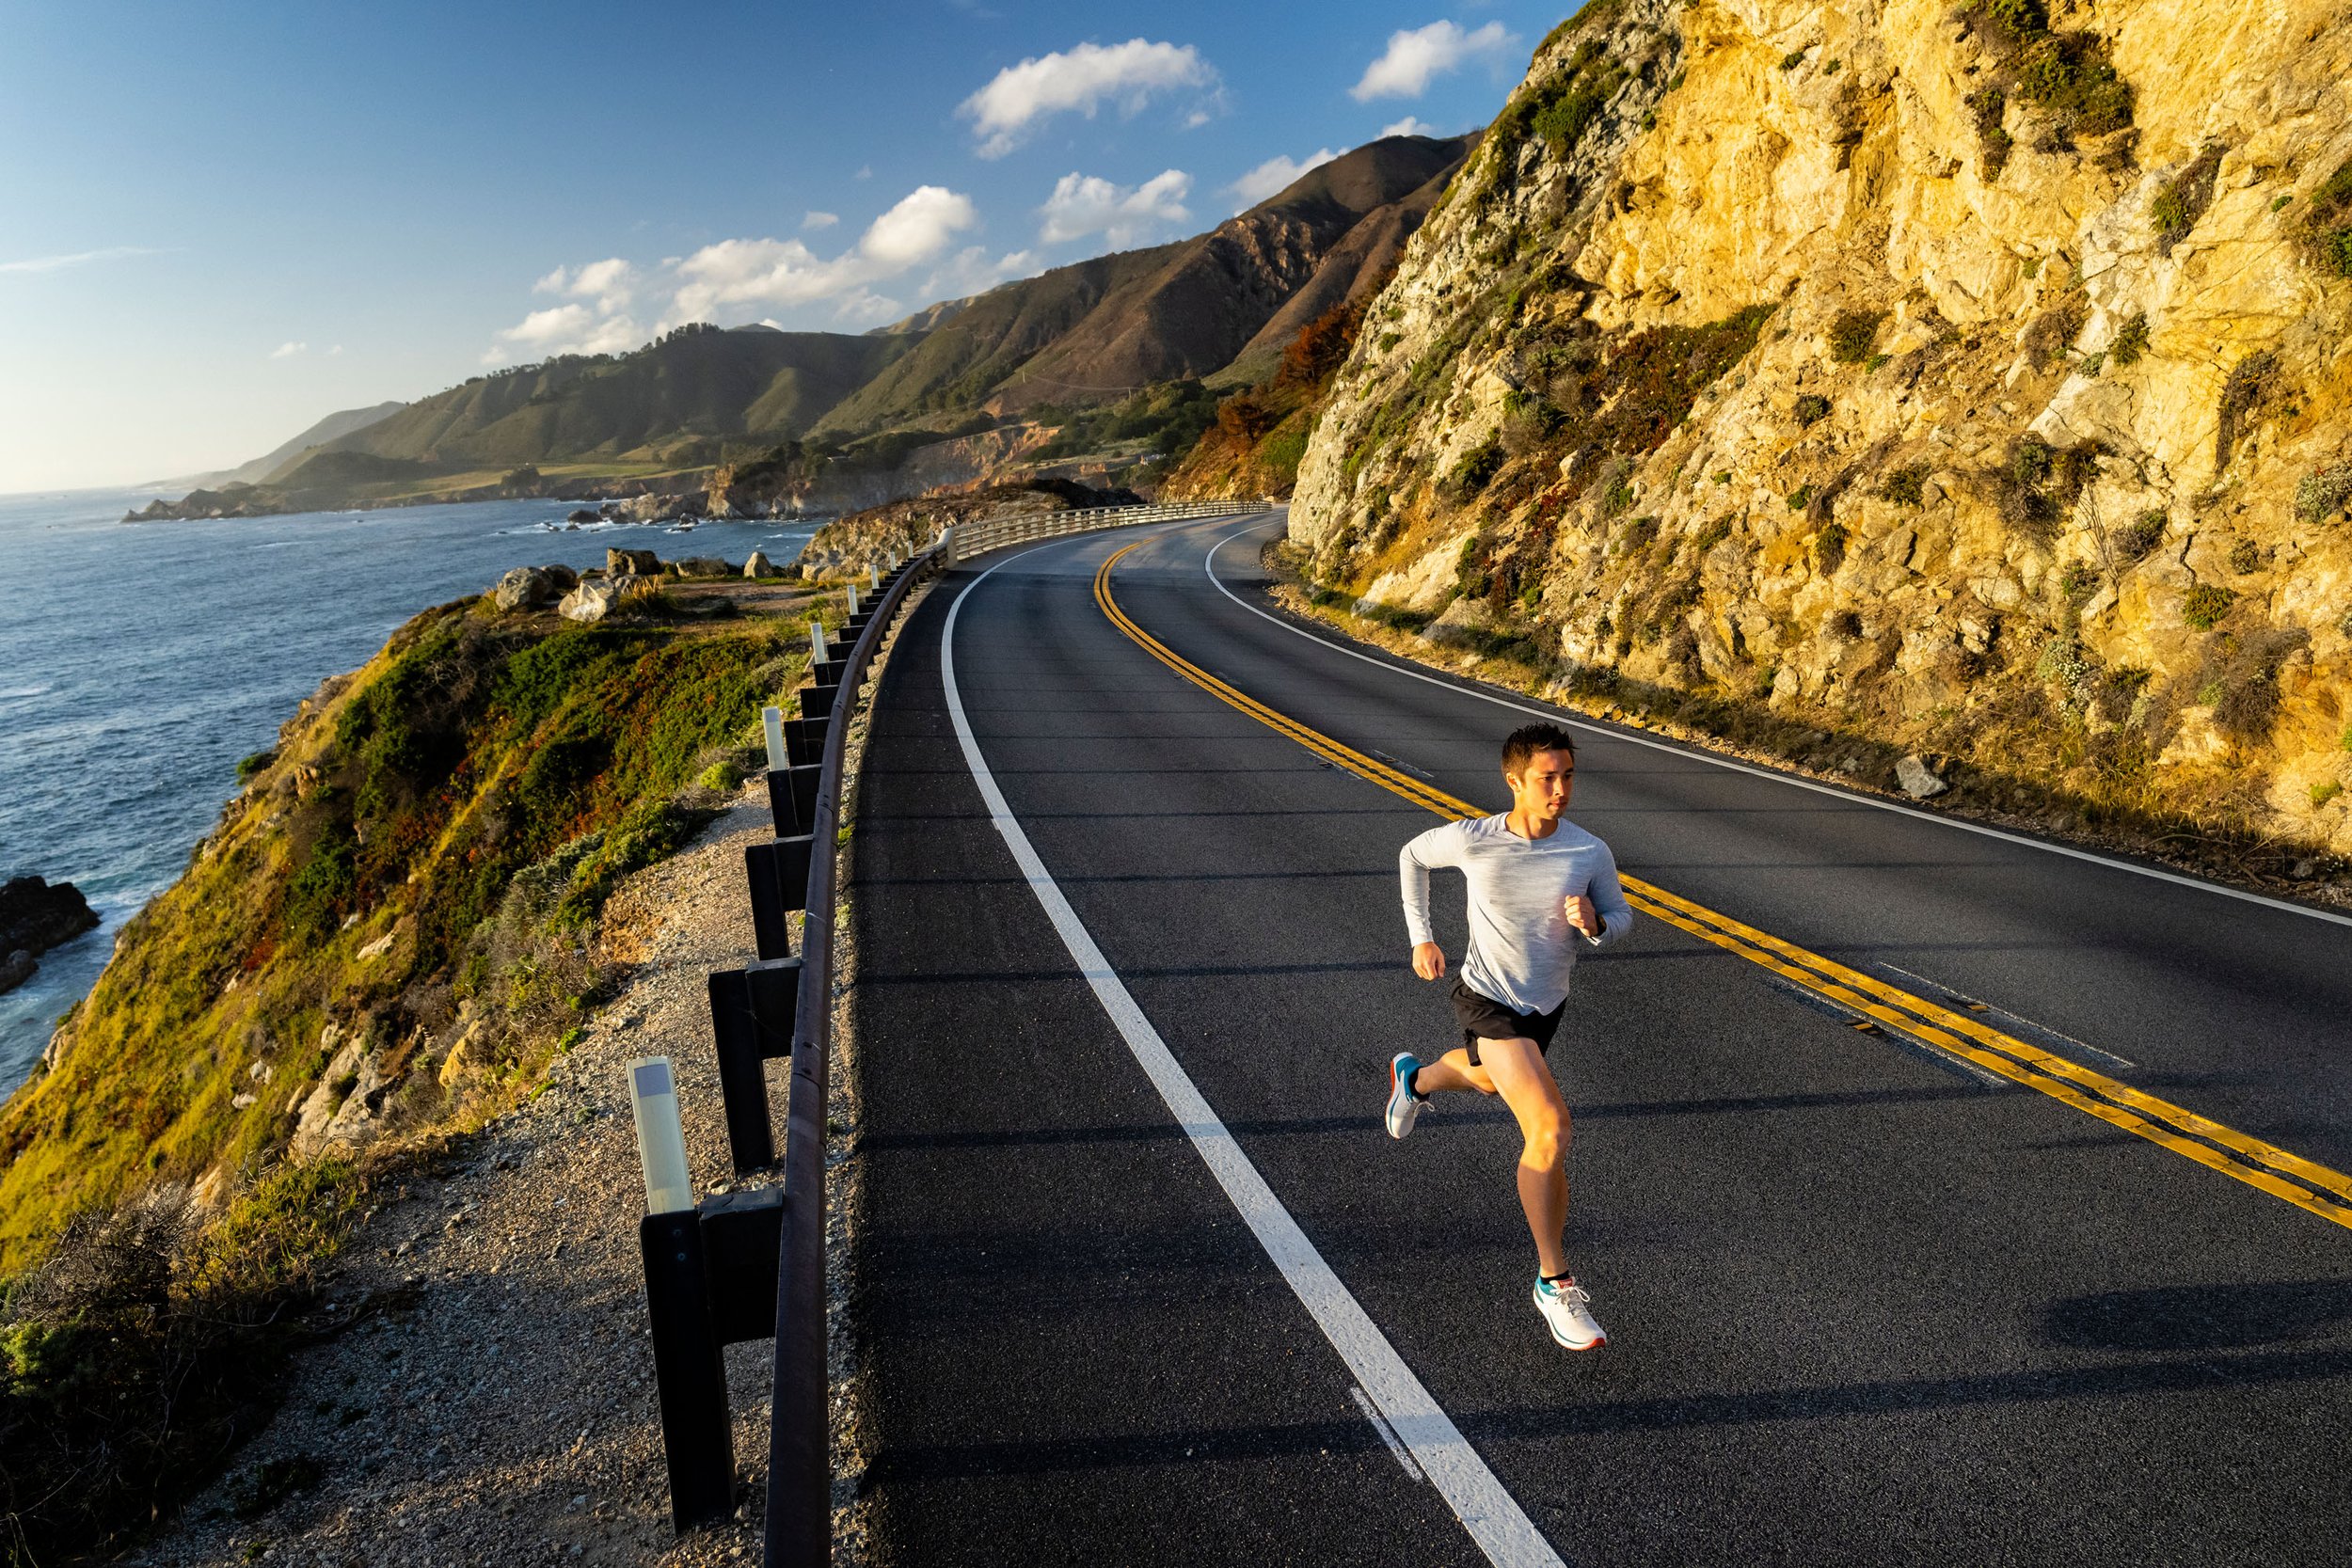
1483, 1018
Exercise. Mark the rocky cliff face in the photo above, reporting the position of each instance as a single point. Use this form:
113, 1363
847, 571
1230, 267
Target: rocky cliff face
1973, 381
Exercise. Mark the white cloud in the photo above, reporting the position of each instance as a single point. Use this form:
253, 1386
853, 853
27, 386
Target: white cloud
336, 350
813, 220
865, 171
787, 273
970, 272
564, 329
609, 282
1415, 55
1083, 204
1274, 175
1411, 125
287, 350
1083, 79
78, 258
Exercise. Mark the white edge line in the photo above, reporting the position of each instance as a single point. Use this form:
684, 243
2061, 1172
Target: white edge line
1388, 1433
1569, 719
1493, 1517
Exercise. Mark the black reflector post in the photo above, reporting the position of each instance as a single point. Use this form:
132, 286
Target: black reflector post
741, 1232
778, 873
803, 743
793, 798
751, 1023
696, 1442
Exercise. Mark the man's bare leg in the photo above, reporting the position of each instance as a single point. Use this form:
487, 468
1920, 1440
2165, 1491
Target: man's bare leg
1520, 1075
1453, 1070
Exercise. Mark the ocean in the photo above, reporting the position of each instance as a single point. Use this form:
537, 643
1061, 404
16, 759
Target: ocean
138, 662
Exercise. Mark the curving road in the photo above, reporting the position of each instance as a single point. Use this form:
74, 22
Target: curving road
1947, 1197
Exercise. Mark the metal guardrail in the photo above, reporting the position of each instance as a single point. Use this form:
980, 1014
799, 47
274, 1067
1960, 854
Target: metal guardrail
965, 540
747, 1265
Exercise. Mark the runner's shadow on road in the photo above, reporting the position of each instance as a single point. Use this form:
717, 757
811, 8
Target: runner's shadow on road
2202, 1317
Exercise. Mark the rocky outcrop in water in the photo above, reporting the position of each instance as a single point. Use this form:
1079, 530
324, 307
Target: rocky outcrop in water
35, 916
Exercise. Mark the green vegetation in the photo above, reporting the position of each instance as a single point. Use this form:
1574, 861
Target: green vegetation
1559, 109
2134, 539
1988, 107
473, 795
1800, 497
2067, 75
1812, 409
2131, 342
141, 1349
250, 765
1477, 467
2254, 382
2329, 226
2205, 605
2245, 557
1167, 418
1794, 58
1906, 485
2184, 200
1853, 335
2322, 495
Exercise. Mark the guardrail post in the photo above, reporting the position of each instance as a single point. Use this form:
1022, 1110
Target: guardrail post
804, 742
697, 1443
778, 873
792, 798
751, 1023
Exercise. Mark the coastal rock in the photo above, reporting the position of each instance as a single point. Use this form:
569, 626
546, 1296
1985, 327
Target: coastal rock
703, 566
36, 916
584, 514
642, 562
1918, 780
597, 597
16, 968
657, 508
757, 565
561, 576
525, 588
319, 1108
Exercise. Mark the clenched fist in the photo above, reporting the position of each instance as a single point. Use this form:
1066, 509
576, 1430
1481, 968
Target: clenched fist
1429, 960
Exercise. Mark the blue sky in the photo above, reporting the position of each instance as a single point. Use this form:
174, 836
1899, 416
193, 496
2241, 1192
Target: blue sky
219, 223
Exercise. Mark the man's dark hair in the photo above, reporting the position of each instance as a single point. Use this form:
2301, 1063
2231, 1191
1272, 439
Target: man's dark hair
1528, 740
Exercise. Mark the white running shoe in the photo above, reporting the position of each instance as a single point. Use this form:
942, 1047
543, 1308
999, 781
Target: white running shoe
1569, 1312
1404, 1104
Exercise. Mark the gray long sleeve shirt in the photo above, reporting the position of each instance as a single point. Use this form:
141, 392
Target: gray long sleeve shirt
1522, 949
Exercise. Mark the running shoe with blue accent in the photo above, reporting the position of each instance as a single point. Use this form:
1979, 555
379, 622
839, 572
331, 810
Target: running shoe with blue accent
1568, 1313
1404, 1104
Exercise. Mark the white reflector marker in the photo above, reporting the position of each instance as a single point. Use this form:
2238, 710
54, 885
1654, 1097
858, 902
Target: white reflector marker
773, 719
661, 1140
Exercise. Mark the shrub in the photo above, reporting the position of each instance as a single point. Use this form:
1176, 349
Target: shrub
2322, 495
1988, 106
721, 778
1477, 468
2134, 539
2252, 381
2205, 604
1798, 497
2077, 582
1851, 335
1845, 625
2053, 333
2029, 462
250, 767
2131, 342
2324, 792
1812, 409
1794, 58
1828, 548
1906, 485
2329, 228
2184, 200
2245, 556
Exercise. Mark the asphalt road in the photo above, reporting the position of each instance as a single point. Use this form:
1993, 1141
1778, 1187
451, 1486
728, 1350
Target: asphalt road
1864, 1306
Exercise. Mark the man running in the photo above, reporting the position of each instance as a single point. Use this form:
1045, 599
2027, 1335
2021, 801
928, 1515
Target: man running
1540, 891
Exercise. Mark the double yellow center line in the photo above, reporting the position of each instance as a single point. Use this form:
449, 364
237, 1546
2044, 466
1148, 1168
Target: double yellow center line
2306, 1184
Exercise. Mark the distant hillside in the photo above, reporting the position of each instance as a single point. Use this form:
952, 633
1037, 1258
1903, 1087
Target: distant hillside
1217, 309
327, 429
754, 384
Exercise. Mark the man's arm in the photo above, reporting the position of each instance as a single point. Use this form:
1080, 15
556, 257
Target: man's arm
1440, 845
1607, 896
